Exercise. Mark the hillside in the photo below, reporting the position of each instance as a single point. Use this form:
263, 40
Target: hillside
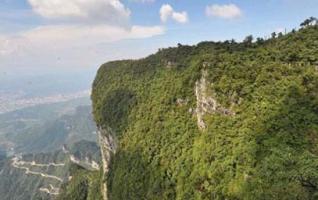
219, 120
40, 144
46, 128
87, 182
41, 175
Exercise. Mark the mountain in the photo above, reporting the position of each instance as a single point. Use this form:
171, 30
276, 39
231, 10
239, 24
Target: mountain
67, 129
218, 120
41, 175
2, 158
84, 185
46, 128
41, 145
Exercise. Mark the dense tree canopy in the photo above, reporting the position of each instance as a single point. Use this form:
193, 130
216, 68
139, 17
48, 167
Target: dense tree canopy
267, 150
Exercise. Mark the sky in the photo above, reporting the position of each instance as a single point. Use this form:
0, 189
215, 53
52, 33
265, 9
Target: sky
50, 35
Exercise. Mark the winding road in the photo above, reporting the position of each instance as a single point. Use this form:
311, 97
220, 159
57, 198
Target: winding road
16, 163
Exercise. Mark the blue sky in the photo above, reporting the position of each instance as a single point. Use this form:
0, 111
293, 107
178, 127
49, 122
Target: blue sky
46, 34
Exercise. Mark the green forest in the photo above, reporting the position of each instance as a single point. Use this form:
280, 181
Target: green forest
260, 142
84, 185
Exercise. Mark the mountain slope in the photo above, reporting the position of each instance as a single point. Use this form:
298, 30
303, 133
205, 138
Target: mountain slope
66, 129
84, 185
46, 128
212, 121
41, 175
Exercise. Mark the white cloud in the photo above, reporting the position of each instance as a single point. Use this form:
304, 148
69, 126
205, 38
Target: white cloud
83, 33
181, 17
80, 35
73, 43
167, 12
71, 36
227, 11
105, 11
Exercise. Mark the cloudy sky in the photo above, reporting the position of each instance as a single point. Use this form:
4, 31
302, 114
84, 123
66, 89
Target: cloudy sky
78, 34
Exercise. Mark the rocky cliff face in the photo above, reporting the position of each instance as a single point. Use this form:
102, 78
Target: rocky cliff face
205, 101
108, 148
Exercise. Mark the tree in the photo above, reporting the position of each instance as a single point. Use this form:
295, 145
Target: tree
313, 21
305, 23
273, 35
309, 21
248, 39
259, 40
280, 34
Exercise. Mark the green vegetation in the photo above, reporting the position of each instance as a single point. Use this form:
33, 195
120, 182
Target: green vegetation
45, 128
84, 185
15, 183
2, 158
267, 150
86, 149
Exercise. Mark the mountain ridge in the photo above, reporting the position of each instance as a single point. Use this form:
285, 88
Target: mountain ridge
218, 120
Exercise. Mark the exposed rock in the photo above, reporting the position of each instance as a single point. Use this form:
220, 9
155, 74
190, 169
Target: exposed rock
74, 160
65, 149
170, 64
182, 102
206, 104
95, 165
108, 148
87, 163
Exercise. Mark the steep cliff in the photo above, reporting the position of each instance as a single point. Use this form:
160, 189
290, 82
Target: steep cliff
108, 149
219, 120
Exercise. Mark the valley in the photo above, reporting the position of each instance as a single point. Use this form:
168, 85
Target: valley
41, 175
40, 144
45, 128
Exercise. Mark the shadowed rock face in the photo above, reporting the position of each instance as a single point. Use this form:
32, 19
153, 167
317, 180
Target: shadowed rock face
116, 107
114, 115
